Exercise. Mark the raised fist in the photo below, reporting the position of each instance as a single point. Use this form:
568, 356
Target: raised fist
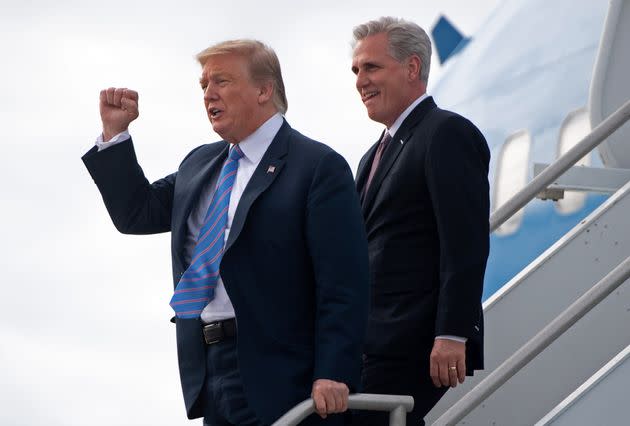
119, 107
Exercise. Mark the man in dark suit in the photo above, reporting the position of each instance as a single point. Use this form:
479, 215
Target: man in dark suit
424, 195
269, 253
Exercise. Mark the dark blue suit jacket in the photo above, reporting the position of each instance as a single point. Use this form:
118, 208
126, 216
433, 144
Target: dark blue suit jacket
426, 215
295, 265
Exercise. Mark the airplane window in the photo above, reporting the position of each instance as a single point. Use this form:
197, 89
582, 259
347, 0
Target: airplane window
575, 127
511, 176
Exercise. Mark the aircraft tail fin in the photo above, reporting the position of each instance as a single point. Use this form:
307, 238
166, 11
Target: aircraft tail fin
447, 39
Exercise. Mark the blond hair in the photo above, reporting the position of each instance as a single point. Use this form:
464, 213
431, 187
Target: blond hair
263, 64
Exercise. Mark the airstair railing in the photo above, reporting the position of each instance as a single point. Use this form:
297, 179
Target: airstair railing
535, 345
397, 405
561, 165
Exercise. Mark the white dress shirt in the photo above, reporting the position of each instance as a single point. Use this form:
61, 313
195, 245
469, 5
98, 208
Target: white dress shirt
254, 147
392, 131
394, 127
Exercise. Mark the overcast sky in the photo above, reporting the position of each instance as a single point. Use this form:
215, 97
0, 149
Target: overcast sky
85, 336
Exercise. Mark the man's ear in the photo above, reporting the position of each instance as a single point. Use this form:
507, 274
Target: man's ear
265, 92
414, 66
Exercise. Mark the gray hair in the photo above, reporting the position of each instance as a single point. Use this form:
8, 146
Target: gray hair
405, 39
263, 64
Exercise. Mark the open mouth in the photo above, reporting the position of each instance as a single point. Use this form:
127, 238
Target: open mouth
369, 95
215, 112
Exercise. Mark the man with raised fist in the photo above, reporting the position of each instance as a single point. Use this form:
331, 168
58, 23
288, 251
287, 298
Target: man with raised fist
269, 253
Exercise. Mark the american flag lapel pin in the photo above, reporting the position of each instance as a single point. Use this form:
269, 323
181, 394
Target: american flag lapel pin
271, 169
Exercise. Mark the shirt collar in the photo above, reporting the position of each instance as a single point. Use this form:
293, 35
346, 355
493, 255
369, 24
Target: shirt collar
255, 145
394, 128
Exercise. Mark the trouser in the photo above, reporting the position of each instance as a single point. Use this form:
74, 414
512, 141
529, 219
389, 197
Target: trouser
226, 404
397, 376
225, 401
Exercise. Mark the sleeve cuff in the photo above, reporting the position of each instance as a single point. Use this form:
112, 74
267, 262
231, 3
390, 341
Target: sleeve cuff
101, 144
449, 337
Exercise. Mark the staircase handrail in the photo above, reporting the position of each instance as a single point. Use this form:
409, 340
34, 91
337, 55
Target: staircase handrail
535, 345
397, 405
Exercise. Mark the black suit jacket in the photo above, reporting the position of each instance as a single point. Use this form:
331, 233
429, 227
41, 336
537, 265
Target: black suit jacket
426, 215
295, 265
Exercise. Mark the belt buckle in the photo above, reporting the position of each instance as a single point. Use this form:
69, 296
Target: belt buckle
211, 328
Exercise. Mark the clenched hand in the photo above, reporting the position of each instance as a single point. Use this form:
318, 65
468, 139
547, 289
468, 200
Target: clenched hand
119, 107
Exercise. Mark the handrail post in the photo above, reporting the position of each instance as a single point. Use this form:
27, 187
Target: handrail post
398, 416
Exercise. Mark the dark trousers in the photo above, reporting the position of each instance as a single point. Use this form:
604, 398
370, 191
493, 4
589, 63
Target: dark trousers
398, 377
225, 402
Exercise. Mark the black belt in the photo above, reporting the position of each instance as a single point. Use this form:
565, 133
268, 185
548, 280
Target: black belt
217, 331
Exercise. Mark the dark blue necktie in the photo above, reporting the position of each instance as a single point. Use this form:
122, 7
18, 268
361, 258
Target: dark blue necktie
196, 286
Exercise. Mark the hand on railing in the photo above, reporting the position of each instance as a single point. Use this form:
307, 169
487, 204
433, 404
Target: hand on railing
397, 405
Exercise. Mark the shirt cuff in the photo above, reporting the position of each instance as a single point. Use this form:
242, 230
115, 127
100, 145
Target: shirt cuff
101, 144
449, 337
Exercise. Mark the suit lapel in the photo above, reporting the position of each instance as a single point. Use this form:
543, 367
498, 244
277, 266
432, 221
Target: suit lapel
269, 168
201, 178
388, 159
394, 149
210, 164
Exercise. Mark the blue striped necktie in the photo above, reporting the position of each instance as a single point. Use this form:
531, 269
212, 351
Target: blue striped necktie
196, 286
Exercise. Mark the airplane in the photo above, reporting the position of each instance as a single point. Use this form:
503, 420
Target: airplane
524, 80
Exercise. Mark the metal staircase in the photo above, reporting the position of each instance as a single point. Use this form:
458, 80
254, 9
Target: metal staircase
556, 334
602, 399
520, 315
